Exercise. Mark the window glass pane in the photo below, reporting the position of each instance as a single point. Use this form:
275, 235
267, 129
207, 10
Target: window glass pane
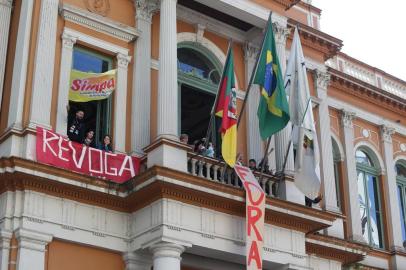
362, 205
337, 179
401, 170
87, 62
374, 211
402, 212
194, 63
362, 158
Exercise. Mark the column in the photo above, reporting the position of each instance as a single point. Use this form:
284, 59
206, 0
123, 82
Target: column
5, 15
282, 138
166, 256
64, 77
120, 110
168, 72
135, 261
15, 115
5, 237
392, 207
322, 80
255, 144
31, 249
354, 217
44, 65
288, 189
141, 88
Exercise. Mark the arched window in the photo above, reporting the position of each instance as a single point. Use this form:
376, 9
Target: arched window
369, 198
401, 183
199, 73
337, 170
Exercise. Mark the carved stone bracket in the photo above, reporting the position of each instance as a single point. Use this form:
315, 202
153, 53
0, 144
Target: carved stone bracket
68, 41
322, 79
146, 8
347, 118
386, 133
123, 60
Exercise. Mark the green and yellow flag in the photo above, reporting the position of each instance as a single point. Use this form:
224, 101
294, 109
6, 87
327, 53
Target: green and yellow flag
273, 109
226, 108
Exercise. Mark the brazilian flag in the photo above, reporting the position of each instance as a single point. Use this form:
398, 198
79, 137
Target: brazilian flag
273, 109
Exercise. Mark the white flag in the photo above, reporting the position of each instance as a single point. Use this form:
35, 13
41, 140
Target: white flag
304, 137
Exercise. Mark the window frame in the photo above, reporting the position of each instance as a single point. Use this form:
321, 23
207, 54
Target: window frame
373, 172
105, 109
401, 183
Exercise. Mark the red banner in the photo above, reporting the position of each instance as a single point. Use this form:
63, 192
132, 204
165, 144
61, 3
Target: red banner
255, 215
56, 150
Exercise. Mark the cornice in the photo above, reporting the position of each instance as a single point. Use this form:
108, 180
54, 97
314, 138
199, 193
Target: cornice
157, 183
366, 91
98, 23
316, 39
334, 248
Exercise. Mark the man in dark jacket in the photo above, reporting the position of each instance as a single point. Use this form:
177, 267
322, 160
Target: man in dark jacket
76, 127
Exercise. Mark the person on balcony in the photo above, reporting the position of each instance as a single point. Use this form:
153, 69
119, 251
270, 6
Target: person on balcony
252, 164
209, 152
106, 145
76, 127
184, 138
89, 139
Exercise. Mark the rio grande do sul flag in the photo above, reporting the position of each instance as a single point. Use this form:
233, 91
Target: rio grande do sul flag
87, 86
226, 108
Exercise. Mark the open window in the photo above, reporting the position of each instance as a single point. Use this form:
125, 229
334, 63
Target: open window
97, 114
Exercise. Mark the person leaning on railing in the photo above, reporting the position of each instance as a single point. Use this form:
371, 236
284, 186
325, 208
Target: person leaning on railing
106, 145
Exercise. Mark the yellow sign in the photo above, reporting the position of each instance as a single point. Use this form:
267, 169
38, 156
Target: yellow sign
86, 86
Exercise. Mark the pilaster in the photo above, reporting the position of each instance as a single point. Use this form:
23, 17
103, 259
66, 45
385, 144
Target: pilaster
167, 256
15, 115
354, 217
255, 144
141, 88
44, 65
120, 113
390, 189
168, 72
5, 238
31, 249
68, 42
282, 138
5, 15
322, 80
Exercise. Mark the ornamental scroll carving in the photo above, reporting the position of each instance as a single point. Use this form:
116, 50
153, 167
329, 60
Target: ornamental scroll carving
101, 7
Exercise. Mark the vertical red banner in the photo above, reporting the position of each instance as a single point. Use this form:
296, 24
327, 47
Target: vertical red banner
255, 216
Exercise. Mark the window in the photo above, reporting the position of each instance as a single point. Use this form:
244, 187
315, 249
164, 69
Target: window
369, 199
401, 184
97, 114
337, 173
198, 79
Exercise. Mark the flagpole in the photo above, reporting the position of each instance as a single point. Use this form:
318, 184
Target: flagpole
265, 158
255, 69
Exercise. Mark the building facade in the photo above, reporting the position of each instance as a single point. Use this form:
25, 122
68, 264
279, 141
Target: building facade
184, 211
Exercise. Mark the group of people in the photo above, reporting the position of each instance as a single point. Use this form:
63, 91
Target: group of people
77, 132
201, 147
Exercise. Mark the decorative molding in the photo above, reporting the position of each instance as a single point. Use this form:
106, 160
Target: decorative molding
200, 28
7, 3
101, 7
386, 133
32, 240
167, 250
322, 79
68, 41
281, 32
346, 118
146, 8
96, 42
98, 23
250, 51
123, 60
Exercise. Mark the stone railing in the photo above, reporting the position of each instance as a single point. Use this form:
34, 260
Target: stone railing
215, 170
369, 75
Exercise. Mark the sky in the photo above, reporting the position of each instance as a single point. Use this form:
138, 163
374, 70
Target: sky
372, 31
